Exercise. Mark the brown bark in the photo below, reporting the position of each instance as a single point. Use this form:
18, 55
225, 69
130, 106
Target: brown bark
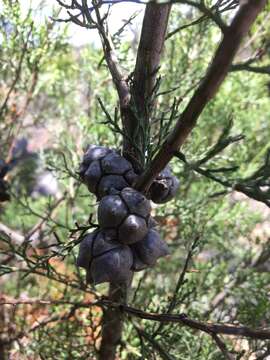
136, 115
207, 327
112, 323
215, 75
149, 52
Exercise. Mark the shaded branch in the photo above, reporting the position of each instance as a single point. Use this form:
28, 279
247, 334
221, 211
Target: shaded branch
112, 323
252, 68
118, 77
256, 186
207, 327
222, 347
85, 13
15, 237
212, 13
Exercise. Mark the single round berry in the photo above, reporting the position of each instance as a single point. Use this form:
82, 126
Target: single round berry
113, 266
136, 202
105, 259
133, 229
94, 152
111, 211
92, 176
114, 163
104, 170
94, 244
151, 248
164, 187
109, 183
127, 212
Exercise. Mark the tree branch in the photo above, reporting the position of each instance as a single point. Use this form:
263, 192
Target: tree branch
216, 74
15, 237
135, 118
207, 12
110, 56
251, 68
183, 319
149, 52
112, 323
207, 327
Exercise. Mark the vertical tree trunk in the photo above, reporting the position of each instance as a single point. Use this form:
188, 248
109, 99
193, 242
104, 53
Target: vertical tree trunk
148, 57
136, 115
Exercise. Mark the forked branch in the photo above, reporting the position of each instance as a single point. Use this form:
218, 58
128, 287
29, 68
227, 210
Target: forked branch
215, 75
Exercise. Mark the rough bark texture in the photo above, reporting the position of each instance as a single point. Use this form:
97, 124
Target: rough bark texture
217, 72
147, 63
149, 53
136, 115
112, 323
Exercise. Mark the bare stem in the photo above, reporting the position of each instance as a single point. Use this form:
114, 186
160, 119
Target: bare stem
112, 323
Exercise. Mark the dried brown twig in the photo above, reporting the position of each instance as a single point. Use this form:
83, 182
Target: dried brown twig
183, 319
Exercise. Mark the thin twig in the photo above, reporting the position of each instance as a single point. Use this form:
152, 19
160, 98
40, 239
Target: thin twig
223, 348
18, 71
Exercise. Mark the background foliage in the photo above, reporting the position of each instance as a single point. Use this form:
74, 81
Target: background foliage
50, 87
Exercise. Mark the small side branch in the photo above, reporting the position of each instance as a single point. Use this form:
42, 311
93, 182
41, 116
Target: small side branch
251, 68
118, 77
84, 18
222, 347
210, 13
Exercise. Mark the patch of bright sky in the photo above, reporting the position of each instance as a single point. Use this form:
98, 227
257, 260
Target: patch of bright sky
119, 13
81, 36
